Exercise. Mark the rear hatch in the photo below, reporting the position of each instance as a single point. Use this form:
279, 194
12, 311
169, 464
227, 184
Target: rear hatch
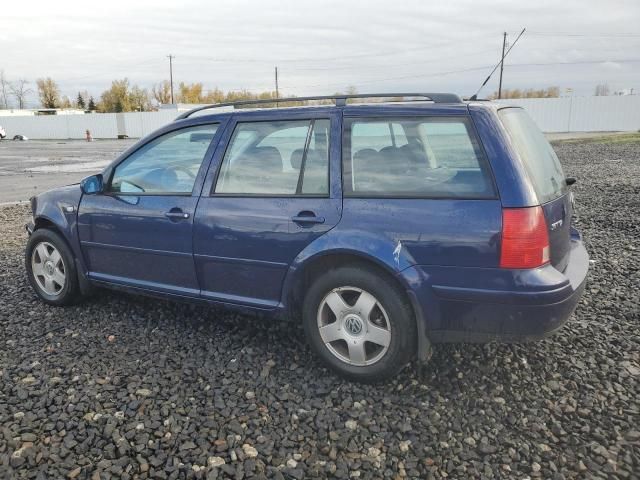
547, 178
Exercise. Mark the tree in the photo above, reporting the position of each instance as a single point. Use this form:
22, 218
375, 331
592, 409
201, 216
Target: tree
602, 90
190, 93
20, 91
549, 92
123, 98
4, 90
91, 105
139, 99
116, 99
49, 92
80, 101
161, 92
65, 102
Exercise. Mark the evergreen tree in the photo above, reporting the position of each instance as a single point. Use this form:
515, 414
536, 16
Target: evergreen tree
80, 101
92, 104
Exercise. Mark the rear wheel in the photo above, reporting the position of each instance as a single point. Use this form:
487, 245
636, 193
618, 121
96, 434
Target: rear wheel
360, 323
51, 269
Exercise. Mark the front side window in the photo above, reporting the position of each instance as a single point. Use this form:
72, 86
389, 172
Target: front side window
167, 165
277, 158
414, 157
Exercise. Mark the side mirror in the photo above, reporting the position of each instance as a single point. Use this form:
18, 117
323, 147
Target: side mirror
92, 185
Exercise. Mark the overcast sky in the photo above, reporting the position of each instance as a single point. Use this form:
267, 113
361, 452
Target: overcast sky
323, 46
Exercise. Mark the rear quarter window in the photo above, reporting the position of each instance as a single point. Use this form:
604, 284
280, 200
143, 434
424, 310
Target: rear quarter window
536, 153
414, 157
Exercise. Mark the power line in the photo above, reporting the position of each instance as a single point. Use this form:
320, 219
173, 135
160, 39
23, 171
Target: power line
471, 69
310, 59
396, 78
388, 65
579, 62
568, 34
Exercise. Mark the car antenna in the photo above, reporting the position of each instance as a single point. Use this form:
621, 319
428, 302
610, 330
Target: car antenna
475, 95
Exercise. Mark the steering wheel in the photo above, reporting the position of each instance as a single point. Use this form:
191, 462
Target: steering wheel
180, 168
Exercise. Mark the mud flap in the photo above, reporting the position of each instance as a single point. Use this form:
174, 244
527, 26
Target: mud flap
83, 282
423, 348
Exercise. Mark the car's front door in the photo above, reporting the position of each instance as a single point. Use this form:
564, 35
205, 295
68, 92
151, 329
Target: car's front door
269, 197
138, 232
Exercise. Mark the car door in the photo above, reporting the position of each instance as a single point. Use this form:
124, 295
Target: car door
268, 198
138, 232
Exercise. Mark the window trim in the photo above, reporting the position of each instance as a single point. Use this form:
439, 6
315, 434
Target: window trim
206, 159
311, 122
483, 160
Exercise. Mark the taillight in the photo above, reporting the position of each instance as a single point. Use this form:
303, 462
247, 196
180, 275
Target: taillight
525, 240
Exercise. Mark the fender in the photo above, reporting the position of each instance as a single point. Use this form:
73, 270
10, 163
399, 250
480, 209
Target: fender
60, 208
382, 250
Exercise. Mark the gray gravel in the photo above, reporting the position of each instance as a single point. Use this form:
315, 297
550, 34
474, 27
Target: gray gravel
127, 387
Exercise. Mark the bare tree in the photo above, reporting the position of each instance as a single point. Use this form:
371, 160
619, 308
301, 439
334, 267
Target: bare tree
49, 92
162, 92
4, 90
20, 91
602, 90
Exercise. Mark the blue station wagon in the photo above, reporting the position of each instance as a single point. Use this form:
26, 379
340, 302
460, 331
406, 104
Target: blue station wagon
382, 227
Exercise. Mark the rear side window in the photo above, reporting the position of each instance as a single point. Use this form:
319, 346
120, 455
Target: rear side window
277, 158
425, 157
536, 153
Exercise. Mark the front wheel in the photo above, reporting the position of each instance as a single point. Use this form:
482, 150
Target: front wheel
360, 323
51, 269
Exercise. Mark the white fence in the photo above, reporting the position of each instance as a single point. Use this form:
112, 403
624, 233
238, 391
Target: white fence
583, 114
101, 125
567, 114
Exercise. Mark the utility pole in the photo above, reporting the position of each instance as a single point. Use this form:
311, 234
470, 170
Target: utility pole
171, 57
277, 90
504, 44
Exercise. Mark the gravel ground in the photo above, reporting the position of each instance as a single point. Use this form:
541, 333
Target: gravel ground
127, 387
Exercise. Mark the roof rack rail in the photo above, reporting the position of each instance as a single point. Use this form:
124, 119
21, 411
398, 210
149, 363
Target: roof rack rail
340, 100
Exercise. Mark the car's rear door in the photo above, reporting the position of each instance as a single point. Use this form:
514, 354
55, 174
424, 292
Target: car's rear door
138, 232
269, 196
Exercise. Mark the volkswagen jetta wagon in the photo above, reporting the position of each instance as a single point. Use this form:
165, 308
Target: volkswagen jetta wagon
382, 227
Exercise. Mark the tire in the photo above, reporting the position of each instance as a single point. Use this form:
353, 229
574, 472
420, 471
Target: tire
46, 281
340, 345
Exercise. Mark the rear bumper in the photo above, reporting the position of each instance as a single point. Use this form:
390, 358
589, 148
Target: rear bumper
487, 304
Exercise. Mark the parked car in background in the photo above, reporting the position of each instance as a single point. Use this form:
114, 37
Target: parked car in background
382, 227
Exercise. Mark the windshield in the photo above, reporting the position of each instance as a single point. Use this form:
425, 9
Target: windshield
536, 153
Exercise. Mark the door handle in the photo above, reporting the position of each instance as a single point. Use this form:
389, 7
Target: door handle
307, 219
178, 215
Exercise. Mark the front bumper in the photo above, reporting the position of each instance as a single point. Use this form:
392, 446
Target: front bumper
488, 304
29, 227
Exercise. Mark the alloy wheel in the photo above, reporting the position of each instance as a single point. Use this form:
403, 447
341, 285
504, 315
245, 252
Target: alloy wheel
354, 326
48, 268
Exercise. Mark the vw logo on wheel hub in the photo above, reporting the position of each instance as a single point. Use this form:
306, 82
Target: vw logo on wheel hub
49, 268
353, 325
